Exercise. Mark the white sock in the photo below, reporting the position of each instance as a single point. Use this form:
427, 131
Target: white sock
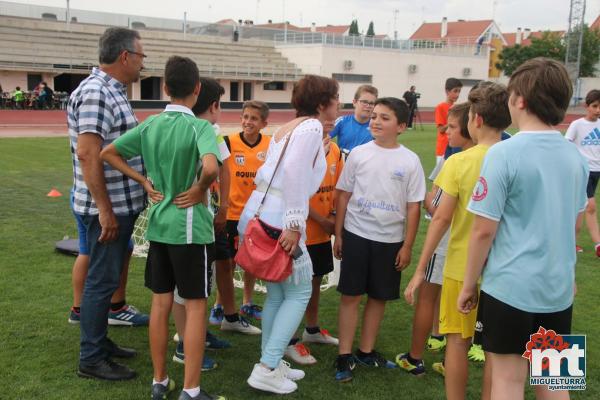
193, 392
165, 383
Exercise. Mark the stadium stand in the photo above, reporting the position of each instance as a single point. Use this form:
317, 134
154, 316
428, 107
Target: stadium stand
46, 46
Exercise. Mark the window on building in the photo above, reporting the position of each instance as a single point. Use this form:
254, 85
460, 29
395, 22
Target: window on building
33, 80
234, 91
275, 85
247, 91
353, 78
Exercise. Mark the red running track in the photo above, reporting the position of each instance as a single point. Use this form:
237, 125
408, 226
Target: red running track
33, 118
59, 117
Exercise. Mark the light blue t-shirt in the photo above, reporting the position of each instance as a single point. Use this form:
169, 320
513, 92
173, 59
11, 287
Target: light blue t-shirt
350, 132
534, 185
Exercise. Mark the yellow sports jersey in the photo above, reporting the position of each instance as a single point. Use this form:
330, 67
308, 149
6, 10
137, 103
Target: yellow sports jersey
457, 179
244, 161
323, 201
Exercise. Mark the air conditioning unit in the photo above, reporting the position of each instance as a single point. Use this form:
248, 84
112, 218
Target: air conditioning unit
412, 68
348, 65
466, 71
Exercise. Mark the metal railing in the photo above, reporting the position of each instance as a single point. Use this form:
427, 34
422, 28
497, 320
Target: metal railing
457, 46
218, 70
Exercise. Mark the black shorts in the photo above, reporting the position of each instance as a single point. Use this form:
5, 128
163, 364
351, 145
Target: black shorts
187, 266
321, 256
503, 329
222, 247
592, 183
232, 237
368, 267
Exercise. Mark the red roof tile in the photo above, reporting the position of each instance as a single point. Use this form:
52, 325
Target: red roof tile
596, 23
334, 29
511, 38
433, 30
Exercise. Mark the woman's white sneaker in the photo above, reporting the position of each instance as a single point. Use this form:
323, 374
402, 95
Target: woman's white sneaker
291, 373
273, 381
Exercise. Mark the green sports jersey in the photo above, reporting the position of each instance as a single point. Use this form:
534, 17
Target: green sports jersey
172, 144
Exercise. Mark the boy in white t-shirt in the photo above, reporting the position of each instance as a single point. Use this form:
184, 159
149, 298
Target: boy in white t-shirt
378, 210
585, 133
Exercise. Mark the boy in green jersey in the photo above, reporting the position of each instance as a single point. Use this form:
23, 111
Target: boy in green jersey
181, 159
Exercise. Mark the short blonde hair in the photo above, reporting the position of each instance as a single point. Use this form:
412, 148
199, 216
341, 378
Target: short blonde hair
261, 106
366, 88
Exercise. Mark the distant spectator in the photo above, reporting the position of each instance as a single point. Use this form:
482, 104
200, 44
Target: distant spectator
18, 97
45, 96
410, 96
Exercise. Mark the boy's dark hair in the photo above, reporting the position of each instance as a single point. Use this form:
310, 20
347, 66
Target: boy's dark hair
260, 106
592, 96
399, 107
311, 92
18, 88
452, 83
181, 76
365, 88
490, 102
113, 41
461, 113
545, 87
210, 92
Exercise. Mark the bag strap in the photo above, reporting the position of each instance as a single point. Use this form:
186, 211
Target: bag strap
287, 141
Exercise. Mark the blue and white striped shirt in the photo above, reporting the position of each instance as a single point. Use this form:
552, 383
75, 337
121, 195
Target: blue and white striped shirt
100, 106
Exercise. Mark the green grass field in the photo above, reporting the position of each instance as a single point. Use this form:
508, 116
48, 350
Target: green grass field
39, 350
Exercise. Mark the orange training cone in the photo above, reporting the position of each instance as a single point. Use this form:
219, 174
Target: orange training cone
54, 193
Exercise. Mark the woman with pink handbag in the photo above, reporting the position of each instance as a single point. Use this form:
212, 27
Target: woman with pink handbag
273, 223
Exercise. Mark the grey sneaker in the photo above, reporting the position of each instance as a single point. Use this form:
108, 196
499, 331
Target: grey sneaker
201, 396
160, 392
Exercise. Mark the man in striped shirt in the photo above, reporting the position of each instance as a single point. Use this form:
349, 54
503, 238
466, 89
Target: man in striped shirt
108, 202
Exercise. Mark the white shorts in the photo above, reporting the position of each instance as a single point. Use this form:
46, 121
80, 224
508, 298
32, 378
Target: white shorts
434, 273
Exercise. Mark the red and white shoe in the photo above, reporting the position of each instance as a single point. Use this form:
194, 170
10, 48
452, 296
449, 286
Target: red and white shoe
322, 337
299, 354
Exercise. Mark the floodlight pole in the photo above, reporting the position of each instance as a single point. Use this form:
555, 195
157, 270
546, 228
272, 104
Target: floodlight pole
68, 15
184, 24
396, 12
574, 41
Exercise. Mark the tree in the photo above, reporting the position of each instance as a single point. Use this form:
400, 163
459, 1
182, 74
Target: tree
590, 52
552, 45
549, 45
354, 28
371, 30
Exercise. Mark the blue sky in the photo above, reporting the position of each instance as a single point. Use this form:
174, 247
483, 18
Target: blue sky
509, 14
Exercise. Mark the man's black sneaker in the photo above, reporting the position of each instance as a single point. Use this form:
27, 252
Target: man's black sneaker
123, 352
374, 359
344, 364
107, 370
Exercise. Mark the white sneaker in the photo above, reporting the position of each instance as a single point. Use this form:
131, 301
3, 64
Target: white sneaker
241, 325
271, 381
291, 373
322, 337
298, 353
